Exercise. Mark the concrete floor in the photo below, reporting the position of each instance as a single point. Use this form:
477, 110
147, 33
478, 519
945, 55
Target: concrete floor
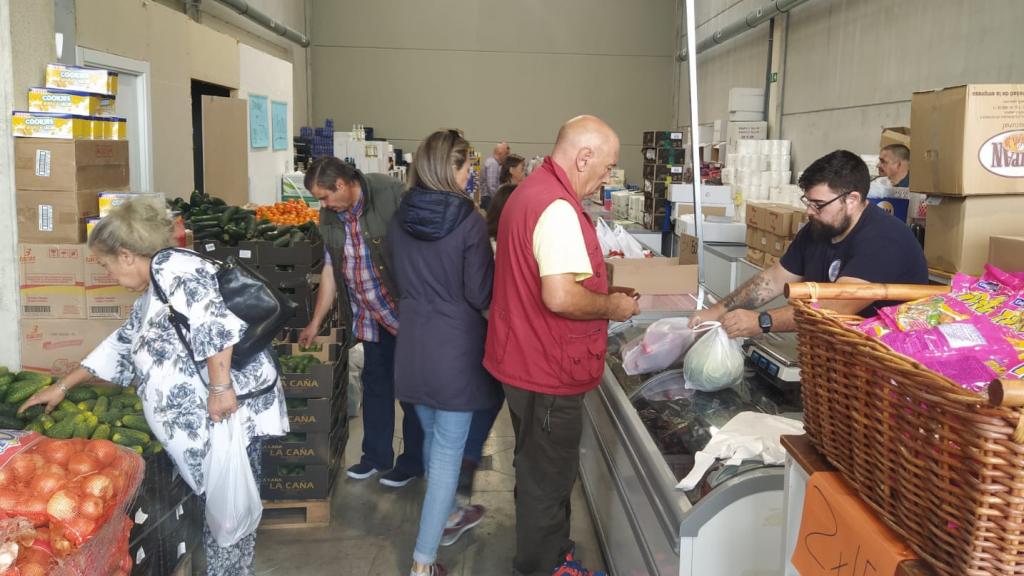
373, 528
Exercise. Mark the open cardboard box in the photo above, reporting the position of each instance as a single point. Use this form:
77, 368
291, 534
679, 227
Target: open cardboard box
651, 276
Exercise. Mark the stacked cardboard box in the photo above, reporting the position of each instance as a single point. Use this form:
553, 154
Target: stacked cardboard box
968, 154
770, 231
304, 464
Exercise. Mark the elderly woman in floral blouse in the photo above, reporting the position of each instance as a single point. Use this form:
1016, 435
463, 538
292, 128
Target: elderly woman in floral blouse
177, 403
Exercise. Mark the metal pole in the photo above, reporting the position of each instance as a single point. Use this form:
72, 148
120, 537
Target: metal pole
698, 213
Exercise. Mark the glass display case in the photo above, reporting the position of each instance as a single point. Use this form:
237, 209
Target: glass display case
641, 433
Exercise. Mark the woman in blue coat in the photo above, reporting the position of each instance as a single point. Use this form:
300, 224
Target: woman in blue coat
444, 268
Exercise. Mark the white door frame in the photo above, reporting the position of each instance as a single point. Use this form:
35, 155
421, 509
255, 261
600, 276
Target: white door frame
90, 57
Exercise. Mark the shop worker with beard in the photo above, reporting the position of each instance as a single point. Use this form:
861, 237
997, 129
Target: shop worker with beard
846, 239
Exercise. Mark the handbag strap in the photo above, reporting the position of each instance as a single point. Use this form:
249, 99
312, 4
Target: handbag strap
180, 323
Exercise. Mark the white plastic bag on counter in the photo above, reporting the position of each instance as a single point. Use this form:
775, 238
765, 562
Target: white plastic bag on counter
233, 505
630, 246
715, 361
606, 237
662, 344
748, 436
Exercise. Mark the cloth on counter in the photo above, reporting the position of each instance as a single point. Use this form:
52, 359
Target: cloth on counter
748, 436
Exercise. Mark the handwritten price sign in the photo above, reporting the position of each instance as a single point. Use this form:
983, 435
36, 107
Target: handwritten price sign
840, 535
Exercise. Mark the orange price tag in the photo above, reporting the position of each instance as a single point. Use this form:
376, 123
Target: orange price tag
841, 536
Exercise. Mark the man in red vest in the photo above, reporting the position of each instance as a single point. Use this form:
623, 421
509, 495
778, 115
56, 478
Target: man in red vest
548, 330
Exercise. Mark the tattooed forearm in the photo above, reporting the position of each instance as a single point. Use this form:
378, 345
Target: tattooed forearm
756, 292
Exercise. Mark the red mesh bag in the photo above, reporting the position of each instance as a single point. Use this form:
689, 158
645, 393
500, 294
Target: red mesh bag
63, 505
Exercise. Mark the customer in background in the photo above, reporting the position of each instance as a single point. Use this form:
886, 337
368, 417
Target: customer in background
180, 405
513, 170
444, 268
355, 210
547, 335
491, 173
846, 240
894, 164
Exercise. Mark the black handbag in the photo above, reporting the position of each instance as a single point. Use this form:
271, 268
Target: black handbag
247, 295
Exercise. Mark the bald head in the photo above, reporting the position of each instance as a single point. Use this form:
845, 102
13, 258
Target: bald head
586, 149
501, 150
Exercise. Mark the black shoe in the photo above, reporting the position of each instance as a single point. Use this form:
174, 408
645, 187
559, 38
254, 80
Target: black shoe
397, 478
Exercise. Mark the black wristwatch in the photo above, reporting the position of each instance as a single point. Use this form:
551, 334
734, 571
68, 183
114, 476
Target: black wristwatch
764, 320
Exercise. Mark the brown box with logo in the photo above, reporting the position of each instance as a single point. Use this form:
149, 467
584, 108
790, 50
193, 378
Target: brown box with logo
46, 216
315, 414
771, 217
321, 381
57, 346
968, 140
52, 280
290, 481
958, 230
304, 447
71, 165
104, 298
687, 249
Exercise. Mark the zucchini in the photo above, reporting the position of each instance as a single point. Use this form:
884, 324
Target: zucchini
228, 215
283, 242
235, 233
214, 201
201, 226
202, 219
80, 394
23, 389
141, 438
250, 226
136, 422
262, 230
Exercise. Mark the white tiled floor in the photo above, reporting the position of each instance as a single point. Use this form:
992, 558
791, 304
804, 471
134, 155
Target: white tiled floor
373, 528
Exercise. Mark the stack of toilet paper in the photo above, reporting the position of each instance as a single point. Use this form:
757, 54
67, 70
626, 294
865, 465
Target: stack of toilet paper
759, 170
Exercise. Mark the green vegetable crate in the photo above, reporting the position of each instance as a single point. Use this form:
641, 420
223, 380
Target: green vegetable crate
305, 447
301, 254
317, 414
247, 250
306, 375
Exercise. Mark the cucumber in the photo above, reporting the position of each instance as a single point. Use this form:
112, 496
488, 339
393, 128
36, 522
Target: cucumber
33, 412
87, 405
34, 426
67, 406
80, 394
46, 421
102, 405
23, 389
127, 441
8, 410
136, 422
110, 416
30, 375
7, 378
102, 432
140, 438
10, 423
107, 390
63, 429
80, 428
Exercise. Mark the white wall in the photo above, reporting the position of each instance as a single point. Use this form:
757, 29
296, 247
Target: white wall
265, 75
498, 70
852, 65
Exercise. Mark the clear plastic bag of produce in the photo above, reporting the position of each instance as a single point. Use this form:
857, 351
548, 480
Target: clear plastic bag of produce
233, 505
715, 361
63, 505
663, 343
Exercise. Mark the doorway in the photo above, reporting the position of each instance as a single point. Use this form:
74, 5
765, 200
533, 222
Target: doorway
200, 89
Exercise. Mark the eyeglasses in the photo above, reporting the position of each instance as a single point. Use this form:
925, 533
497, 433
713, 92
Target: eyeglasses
817, 205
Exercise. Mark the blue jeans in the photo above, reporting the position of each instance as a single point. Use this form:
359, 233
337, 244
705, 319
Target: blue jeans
379, 412
483, 421
444, 440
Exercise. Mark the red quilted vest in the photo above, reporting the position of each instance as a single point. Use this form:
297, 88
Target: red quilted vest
528, 346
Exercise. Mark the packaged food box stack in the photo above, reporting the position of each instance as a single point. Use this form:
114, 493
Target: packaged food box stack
303, 465
664, 164
76, 103
968, 156
770, 230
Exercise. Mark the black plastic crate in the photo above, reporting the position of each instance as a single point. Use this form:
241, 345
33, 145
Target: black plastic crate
301, 254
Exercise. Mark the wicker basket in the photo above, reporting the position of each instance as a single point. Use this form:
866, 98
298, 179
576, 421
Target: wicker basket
938, 463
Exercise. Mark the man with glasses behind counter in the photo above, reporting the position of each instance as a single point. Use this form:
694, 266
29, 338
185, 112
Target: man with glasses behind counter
846, 239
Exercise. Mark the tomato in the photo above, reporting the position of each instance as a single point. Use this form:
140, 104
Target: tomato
63, 505
98, 485
83, 463
104, 450
91, 507
56, 451
46, 483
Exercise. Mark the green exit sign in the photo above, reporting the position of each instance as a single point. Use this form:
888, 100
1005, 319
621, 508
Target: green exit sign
774, 77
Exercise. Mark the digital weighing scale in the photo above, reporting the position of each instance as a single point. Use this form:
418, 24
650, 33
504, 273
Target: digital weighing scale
775, 356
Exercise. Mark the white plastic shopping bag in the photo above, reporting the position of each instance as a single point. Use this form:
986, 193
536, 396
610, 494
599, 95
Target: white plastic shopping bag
233, 506
630, 246
663, 343
714, 362
606, 237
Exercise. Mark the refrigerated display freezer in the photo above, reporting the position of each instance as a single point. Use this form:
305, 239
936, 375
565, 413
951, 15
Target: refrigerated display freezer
639, 437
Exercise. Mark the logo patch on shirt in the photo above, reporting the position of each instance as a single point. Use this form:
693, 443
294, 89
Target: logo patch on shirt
833, 269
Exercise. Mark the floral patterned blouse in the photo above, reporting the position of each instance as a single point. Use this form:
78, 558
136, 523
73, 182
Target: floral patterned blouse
146, 350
